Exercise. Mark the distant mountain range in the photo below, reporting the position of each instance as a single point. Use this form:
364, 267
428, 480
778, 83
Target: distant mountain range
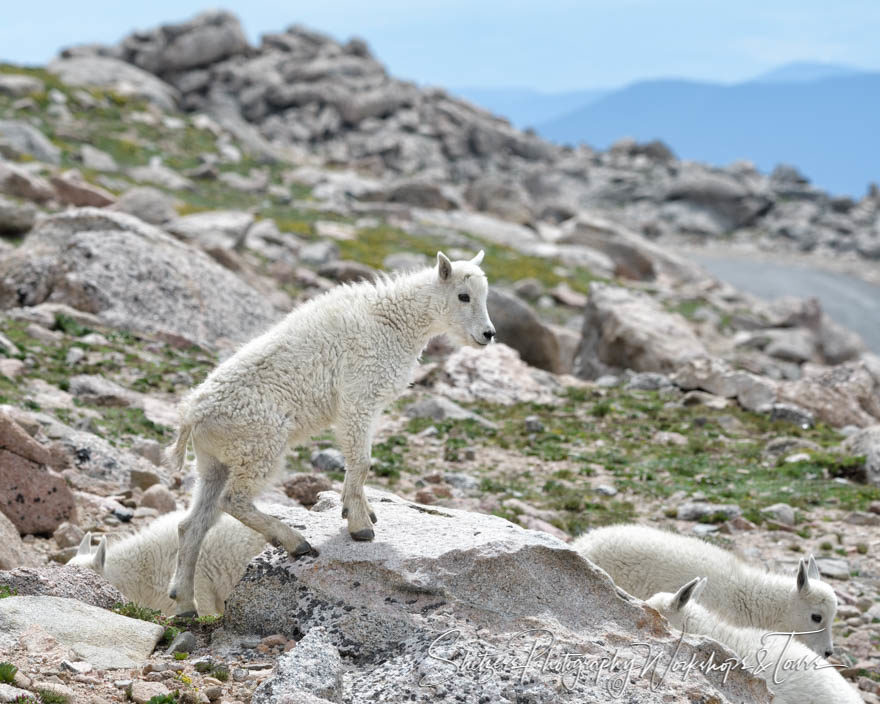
821, 118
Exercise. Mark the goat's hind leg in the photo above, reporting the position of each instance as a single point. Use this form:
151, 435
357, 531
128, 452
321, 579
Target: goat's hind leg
191, 531
238, 503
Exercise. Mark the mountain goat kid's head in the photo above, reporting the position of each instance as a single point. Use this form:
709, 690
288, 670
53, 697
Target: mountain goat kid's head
86, 556
464, 291
813, 608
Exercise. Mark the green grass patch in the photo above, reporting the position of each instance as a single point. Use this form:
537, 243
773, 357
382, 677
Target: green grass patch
7, 672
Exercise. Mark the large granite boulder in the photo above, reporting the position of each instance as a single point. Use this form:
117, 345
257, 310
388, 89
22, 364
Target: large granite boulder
102, 638
847, 394
866, 442
12, 551
410, 616
629, 330
32, 496
109, 72
518, 327
754, 393
63, 581
132, 276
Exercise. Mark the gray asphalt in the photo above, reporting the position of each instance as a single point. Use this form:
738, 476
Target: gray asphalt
849, 301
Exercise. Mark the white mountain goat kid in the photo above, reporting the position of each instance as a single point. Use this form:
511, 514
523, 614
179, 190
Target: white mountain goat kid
644, 561
337, 360
794, 673
140, 565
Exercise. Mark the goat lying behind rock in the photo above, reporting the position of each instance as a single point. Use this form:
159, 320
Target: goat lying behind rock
337, 360
141, 565
643, 561
794, 673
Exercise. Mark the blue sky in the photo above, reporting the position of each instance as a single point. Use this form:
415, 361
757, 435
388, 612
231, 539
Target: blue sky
551, 45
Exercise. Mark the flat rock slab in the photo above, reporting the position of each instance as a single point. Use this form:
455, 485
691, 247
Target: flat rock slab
64, 581
403, 611
104, 639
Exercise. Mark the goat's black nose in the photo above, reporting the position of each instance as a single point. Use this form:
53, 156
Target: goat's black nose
489, 334
828, 653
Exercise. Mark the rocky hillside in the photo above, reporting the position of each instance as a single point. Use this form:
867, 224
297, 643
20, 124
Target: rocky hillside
301, 93
151, 223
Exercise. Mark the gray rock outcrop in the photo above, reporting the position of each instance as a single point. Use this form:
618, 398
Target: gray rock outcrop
391, 620
625, 329
104, 639
134, 276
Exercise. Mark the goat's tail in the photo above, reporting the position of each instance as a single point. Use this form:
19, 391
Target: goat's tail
176, 453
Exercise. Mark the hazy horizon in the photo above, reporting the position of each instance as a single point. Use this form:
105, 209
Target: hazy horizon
556, 46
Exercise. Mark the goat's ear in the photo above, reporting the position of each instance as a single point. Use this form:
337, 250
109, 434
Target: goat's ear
812, 568
686, 593
101, 554
803, 576
698, 590
85, 545
479, 258
444, 266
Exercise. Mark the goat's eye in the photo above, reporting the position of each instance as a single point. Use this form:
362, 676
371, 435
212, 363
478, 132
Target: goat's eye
817, 618
464, 298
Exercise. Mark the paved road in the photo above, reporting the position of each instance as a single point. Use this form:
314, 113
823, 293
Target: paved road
848, 300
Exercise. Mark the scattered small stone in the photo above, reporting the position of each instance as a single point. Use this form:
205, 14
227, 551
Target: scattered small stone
160, 498
529, 289
152, 450
703, 398
874, 507
68, 535
185, 642
664, 437
608, 381
697, 510
606, 490
141, 479
60, 693
80, 667
441, 408
793, 414
740, 523
141, 692
319, 253
328, 460
306, 487
273, 641
203, 664
462, 481
119, 514
798, 457
74, 356
425, 496
11, 368
782, 513
863, 518
704, 529
834, 567
533, 424
647, 381
122, 684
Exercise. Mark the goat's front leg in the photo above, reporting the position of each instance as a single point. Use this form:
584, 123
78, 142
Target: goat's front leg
355, 433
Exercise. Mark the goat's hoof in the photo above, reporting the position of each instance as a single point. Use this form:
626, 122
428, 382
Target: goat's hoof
364, 534
373, 517
305, 549
344, 512
186, 616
